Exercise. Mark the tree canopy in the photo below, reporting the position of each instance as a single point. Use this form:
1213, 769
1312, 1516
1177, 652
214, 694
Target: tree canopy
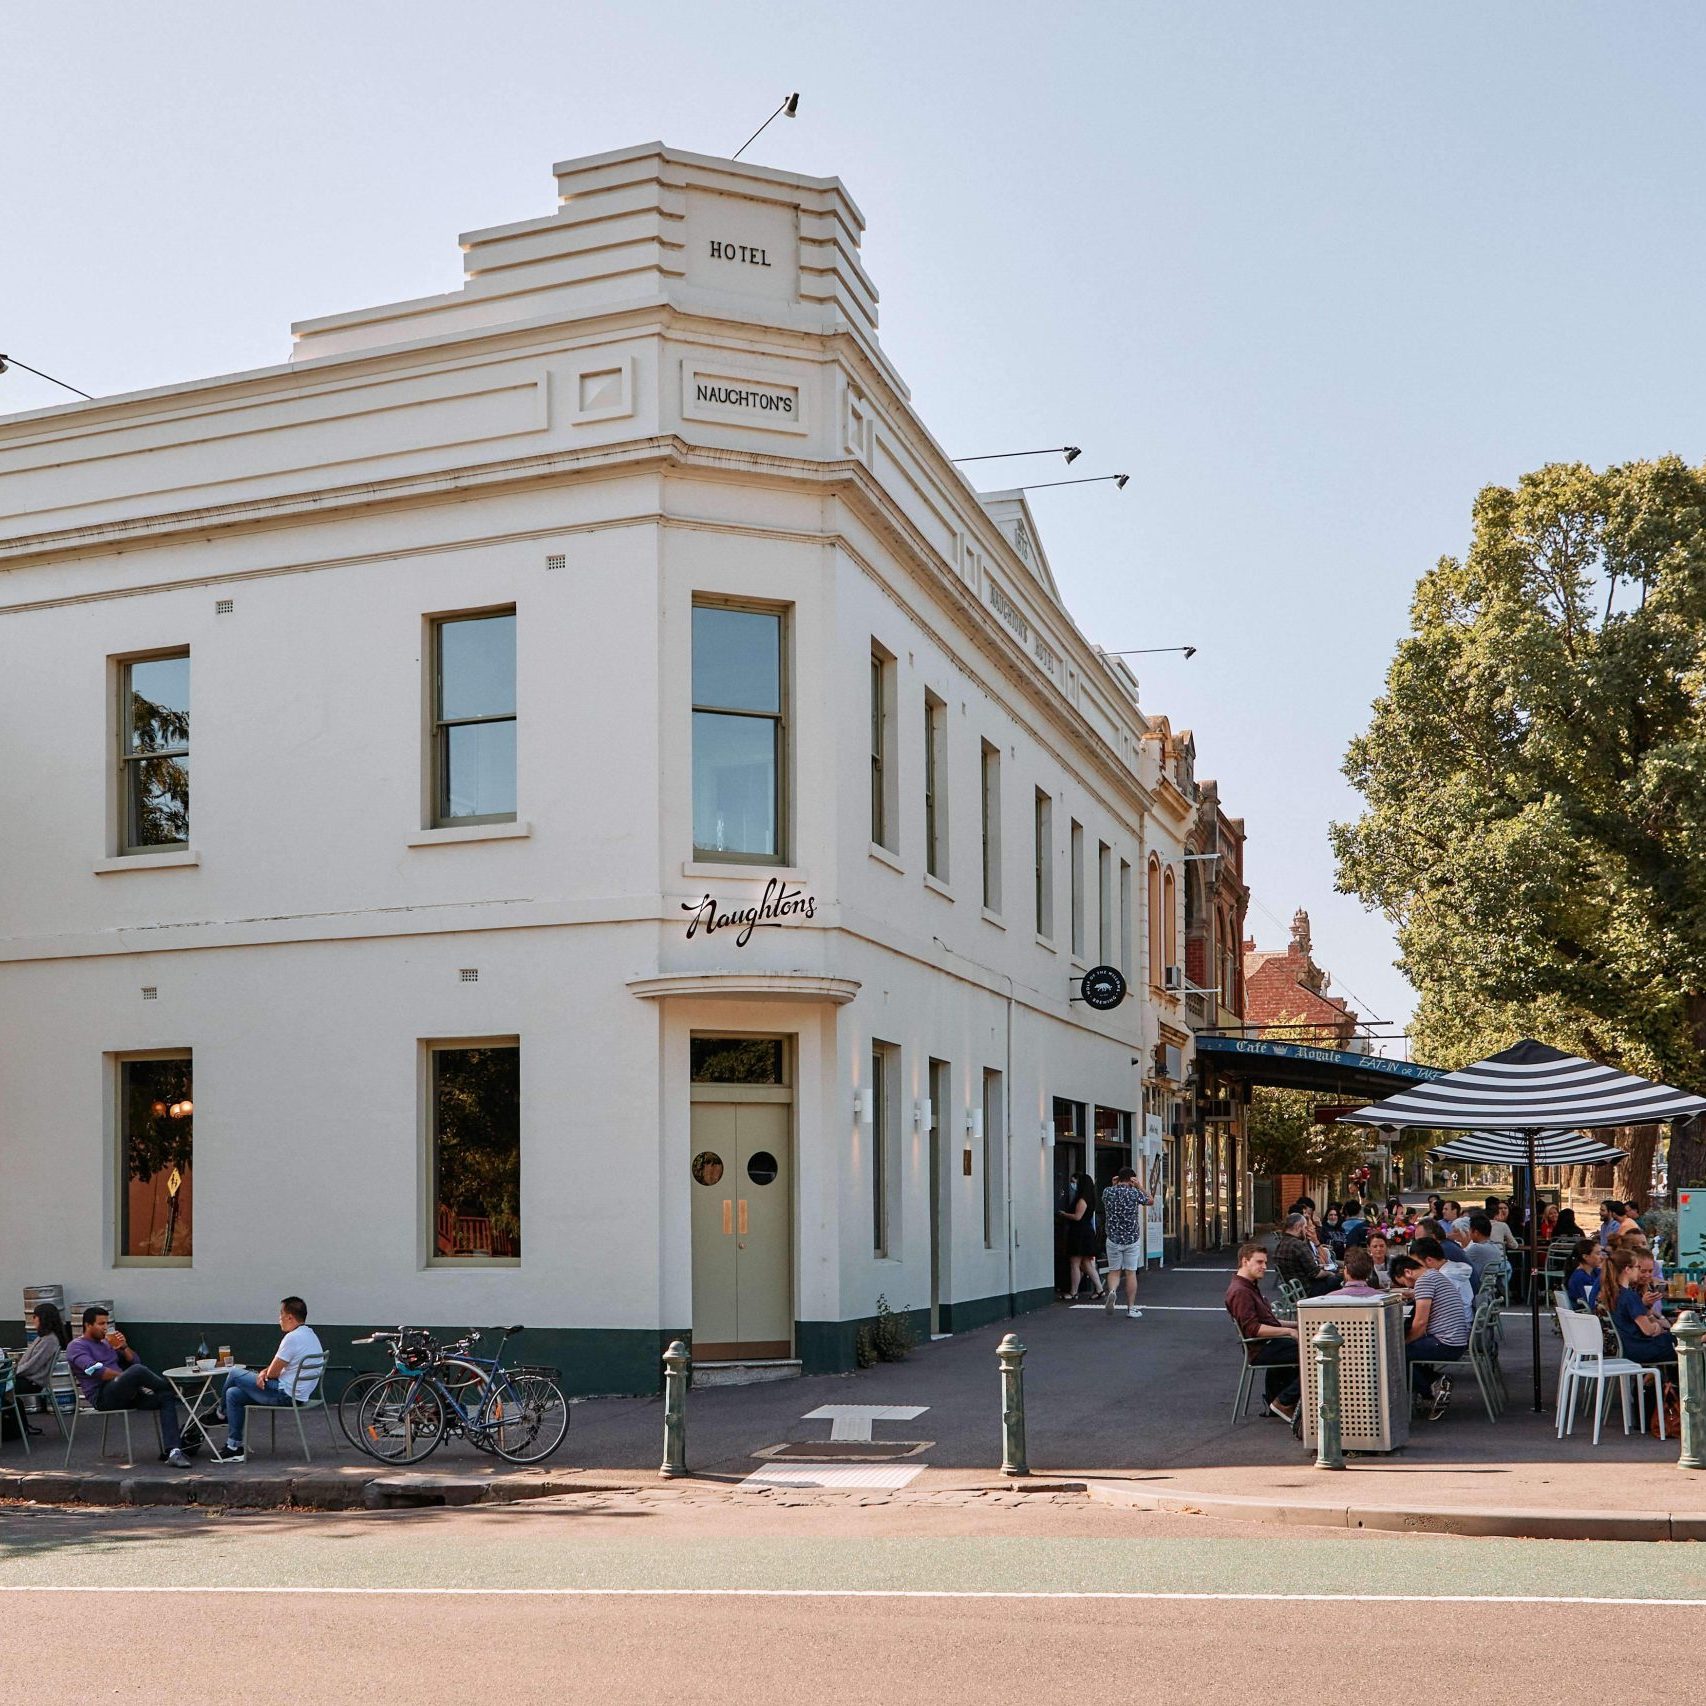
1535, 777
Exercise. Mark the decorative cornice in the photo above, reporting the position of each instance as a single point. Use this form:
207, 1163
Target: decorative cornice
745, 986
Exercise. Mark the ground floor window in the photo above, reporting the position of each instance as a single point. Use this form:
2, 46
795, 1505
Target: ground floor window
156, 1149
1113, 1144
476, 1150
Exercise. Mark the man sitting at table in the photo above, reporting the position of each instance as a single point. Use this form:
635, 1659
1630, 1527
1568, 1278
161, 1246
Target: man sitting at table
1359, 1275
279, 1383
112, 1377
1439, 1330
1296, 1260
1480, 1251
1268, 1342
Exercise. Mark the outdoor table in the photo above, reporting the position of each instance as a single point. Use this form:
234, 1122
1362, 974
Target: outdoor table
186, 1377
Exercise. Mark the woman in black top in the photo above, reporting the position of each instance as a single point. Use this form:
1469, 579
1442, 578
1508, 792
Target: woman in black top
1083, 1237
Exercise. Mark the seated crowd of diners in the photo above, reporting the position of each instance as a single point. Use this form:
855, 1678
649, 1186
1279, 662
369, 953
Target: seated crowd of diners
109, 1375
1441, 1258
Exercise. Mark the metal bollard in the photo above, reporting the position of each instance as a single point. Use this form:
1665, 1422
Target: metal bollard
676, 1366
1329, 1452
1010, 1354
1691, 1387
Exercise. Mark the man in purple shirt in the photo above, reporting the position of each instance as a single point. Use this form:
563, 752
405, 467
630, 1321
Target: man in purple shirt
112, 1377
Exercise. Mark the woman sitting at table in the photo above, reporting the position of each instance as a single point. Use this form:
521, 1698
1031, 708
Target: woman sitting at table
1583, 1283
1642, 1336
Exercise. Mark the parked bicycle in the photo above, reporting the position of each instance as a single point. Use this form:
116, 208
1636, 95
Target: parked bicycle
433, 1393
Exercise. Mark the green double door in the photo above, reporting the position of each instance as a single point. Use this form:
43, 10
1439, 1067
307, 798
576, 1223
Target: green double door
743, 1263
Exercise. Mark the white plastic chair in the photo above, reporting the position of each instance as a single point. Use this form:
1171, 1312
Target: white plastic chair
1587, 1366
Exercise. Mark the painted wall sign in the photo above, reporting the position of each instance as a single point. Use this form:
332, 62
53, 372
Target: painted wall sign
722, 250
778, 903
742, 399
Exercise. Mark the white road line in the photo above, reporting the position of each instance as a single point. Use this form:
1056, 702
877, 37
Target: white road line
1161, 1308
876, 1593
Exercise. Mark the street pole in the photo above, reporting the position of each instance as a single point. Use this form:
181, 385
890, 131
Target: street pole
676, 1366
1010, 1354
1691, 1385
1329, 1451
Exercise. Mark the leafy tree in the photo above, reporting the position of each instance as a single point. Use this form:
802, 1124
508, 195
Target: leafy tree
1284, 1137
1535, 779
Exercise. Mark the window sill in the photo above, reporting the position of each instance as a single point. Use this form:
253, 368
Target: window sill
936, 886
150, 1262
443, 1264
173, 858
1046, 942
884, 857
752, 873
995, 918
454, 833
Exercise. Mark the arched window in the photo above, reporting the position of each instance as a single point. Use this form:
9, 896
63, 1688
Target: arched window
1170, 918
1154, 919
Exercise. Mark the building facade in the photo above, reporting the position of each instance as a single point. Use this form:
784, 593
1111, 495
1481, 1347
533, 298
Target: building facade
560, 804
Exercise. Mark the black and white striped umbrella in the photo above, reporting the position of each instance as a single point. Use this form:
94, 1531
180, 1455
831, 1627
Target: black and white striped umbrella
1525, 1094
1510, 1149
1530, 1088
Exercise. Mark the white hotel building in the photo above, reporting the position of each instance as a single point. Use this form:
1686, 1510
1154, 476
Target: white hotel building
381, 727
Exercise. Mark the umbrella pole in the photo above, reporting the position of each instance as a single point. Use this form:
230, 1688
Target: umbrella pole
1534, 1269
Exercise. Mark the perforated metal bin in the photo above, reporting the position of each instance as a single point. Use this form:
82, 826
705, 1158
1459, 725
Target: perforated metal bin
1374, 1391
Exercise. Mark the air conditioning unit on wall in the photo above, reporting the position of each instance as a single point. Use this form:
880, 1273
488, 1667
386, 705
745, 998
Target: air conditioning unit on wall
1173, 978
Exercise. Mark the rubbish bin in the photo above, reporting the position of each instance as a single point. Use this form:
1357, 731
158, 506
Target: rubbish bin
1374, 1388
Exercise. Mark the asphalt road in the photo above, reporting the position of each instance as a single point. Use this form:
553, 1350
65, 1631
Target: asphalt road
650, 1600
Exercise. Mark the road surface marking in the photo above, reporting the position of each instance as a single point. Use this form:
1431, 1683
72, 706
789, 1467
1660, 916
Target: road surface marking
1161, 1308
853, 1421
834, 1475
880, 1593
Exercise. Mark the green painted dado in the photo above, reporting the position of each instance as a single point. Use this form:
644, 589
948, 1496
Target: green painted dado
595, 1362
828, 1347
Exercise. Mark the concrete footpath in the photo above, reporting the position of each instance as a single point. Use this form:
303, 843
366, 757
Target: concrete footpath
1132, 1412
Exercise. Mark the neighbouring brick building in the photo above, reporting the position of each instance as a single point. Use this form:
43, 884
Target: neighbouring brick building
1285, 994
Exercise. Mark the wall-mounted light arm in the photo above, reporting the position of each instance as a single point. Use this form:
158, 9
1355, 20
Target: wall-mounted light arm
1088, 480
1070, 451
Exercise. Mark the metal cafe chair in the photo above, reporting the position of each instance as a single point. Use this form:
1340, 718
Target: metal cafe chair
310, 1368
9, 1399
1247, 1372
62, 1382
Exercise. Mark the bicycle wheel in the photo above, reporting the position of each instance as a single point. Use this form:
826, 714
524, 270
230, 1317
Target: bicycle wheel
401, 1420
526, 1417
349, 1405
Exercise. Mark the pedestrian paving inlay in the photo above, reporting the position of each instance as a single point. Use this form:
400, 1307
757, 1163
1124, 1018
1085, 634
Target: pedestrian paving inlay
853, 1421
851, 1476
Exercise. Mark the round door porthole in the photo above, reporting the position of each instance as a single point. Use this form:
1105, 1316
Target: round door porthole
707, 1167
762, 1168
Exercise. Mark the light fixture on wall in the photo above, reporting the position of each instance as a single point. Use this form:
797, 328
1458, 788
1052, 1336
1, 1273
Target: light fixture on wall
1048, 1134
865, 1108
790, 108
1088, 480
922, 1114
974, 1135
1070, 451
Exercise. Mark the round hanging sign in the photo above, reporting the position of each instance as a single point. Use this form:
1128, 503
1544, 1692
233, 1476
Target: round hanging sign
1103, 987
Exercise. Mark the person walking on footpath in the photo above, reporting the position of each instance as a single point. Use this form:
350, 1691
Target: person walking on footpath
112, 1377
1124, 1204
1083, 1239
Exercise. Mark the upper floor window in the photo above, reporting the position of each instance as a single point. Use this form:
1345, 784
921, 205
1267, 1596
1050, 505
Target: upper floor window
990, 780
740, 733
935, 787
1076, 845
474, 718
154, 752
1045, 864
1152, 917
1104, 903
883, 778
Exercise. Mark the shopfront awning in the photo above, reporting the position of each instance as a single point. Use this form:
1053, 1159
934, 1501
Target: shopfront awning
1333, 1074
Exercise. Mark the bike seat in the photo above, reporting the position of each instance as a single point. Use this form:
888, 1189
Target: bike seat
512, 1331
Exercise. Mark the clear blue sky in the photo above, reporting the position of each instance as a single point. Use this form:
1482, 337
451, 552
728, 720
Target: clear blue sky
1310, 273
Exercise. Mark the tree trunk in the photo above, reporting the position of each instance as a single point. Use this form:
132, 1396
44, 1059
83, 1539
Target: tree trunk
1635, 1171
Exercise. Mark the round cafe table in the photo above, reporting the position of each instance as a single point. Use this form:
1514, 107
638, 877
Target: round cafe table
194, 1383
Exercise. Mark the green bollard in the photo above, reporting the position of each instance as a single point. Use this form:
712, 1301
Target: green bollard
1329, 1451
1691, 1386
676, 1366
1010, 1354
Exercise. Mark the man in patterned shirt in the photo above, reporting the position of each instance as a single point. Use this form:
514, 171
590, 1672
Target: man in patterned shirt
1439, 1330
1123, 1205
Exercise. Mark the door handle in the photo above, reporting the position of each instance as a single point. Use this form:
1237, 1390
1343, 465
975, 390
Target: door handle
743, 1225
728, 1217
